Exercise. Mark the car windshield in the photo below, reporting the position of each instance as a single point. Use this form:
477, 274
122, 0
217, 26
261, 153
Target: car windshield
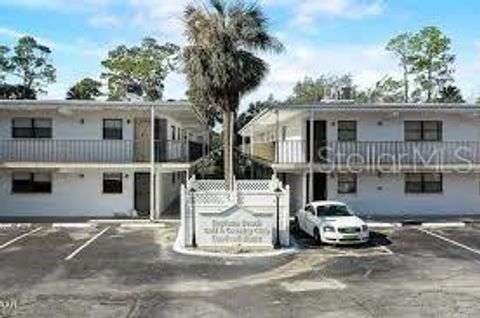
333, 210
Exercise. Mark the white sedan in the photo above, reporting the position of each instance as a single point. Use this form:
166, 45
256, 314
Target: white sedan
331, 222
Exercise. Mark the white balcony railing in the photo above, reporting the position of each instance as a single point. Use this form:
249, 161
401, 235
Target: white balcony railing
96, 151
371, 152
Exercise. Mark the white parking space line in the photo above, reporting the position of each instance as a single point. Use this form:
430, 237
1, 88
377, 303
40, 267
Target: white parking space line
18, 238
90, 241
465, 247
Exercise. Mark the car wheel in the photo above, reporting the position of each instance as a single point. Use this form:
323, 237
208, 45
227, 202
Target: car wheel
316, 236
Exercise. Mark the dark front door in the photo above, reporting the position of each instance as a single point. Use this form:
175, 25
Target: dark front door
319, 187
319, 140
142, 194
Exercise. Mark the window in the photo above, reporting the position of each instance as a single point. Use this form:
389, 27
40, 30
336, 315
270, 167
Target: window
347, 183
310, 209
32, 128
112, 129
423, 131
333, 210
112, 183
173, 131
347, 130
179, 134
173, 178
423, 183
24, 182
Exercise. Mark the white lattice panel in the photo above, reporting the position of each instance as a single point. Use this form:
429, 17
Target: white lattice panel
210, 185
213, 198
254, 185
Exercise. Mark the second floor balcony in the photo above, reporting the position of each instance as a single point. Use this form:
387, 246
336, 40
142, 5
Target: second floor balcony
98, 151
368, 153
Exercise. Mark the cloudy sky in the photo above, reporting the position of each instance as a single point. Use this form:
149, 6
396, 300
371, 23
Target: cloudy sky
321, 36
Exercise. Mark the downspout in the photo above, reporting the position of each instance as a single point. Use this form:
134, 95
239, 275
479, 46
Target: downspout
152, 163
310, 165
232, 121
277, 146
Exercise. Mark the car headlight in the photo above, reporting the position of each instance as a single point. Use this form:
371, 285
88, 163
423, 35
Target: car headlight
364, 228
328, 229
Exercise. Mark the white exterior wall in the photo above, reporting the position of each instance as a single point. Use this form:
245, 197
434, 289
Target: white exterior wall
376, 126
72, 196
70, 127
385, 195
295, 181
390, 127
169, 191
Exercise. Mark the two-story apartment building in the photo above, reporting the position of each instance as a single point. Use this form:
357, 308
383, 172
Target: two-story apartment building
95, 159
382, 159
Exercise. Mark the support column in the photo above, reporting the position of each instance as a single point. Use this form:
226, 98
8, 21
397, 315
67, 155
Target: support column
277, 132
158, 190
152, 163
232, 131
310, 165
304, 189
187, 144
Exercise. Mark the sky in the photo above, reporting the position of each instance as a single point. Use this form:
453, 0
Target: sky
321, 37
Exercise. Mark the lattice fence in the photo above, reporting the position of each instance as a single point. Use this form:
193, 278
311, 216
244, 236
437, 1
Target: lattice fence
211, 197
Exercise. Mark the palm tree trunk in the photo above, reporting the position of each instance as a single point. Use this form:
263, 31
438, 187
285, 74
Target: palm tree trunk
227, 147
405, 83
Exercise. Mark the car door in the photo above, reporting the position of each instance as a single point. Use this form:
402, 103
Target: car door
302, 214
310, 220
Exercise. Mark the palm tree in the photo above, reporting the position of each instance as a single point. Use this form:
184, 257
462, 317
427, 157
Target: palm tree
220, 61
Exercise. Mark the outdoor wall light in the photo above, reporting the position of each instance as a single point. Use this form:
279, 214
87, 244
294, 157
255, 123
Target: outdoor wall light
379, 174
333, 123
128, 121
126, 176
82, 121
380, 123
379, 188
81, 175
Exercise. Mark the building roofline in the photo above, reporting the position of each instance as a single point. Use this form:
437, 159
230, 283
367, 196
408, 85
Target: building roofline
86, 103
92, 104
351, 106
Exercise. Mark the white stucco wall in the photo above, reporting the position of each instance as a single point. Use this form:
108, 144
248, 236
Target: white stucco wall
169, 190
70, 126
72, 195
377, 126
295, 181
385, 195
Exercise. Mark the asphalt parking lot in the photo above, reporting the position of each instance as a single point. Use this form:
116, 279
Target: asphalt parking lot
113, 271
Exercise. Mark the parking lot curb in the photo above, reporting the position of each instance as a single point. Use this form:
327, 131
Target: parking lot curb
273, 253
178, 248
119, 221
142, 225
442, 224
383, 225
73, 225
